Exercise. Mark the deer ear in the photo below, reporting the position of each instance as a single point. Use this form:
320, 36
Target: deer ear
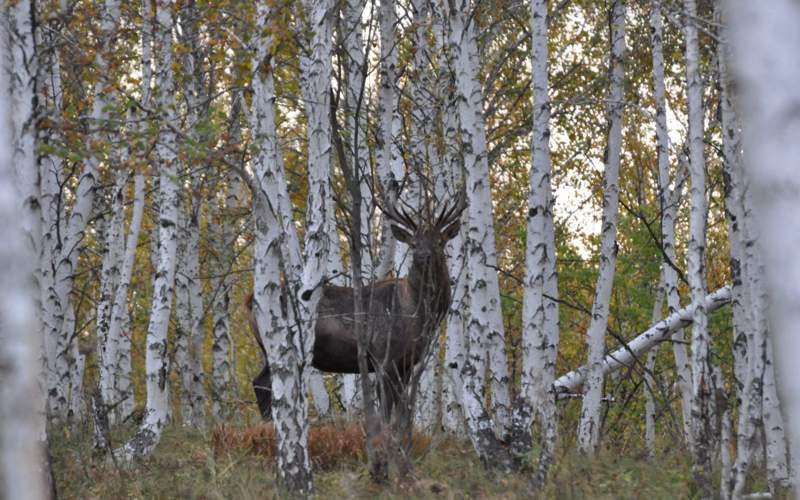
451, 231
401, 234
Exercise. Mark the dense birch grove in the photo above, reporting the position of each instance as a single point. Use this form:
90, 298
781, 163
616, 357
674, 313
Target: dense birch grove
537, 230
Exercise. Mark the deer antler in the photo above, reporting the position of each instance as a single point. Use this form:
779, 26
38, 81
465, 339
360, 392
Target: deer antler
451, 213
400, 215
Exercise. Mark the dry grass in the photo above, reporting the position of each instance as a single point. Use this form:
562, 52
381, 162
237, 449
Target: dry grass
230, 462
330, 444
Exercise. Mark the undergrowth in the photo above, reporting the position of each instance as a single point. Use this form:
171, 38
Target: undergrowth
229, 462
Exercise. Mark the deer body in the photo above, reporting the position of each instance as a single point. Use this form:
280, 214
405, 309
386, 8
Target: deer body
400, 316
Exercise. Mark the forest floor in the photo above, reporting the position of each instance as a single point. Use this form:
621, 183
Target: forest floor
229, 462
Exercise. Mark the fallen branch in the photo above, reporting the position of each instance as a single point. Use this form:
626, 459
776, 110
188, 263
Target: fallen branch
626, 355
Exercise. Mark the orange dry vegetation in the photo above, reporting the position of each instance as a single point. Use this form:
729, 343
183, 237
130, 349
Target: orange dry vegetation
329, 444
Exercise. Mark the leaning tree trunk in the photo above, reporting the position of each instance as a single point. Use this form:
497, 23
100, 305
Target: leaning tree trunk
627, 355
67, 363
669, 201
701, 373
156, 357
589, 428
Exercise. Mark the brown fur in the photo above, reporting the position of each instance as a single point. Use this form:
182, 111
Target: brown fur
400, 315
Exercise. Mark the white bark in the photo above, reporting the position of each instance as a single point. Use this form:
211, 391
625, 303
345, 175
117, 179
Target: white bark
589, 428
774, 426
669, 200
109, 282
120, 328
701, 374
64, 370
283, 333
156, 357
390, 168
424, 156
189, 312
119, 340
21, 398
357, 109
765, 41
228, 204
649, 379
749, 331
453, 178
540, 333
626, 356
486, 320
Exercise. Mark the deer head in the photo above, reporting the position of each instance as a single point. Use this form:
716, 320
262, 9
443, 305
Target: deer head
427, 239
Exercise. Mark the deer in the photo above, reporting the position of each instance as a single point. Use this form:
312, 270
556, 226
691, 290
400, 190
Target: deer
401, 315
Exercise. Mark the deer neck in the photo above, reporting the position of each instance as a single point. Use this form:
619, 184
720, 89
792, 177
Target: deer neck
430, 284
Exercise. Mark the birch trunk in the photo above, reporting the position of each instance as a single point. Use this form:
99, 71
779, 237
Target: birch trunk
649, 379
357, 122
118, 335
669, 200
701, 375
486, 319
120, 327
540, 335
453, 177
589, 428
226, 236
626, 356
748, 347
189, 312
21, 400
774, 426
767, 72
156, 358
389, 159
109, 282
285, 349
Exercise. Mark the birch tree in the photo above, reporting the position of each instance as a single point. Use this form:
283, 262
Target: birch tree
626, 356
669, 200
701, 374
449, 178
189, 311
118, 344
485, 323
540, 310
747, 353
390, 168
284, 348
764, 40
21, 399
228, 204
650, 382
156, 359
589, 428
